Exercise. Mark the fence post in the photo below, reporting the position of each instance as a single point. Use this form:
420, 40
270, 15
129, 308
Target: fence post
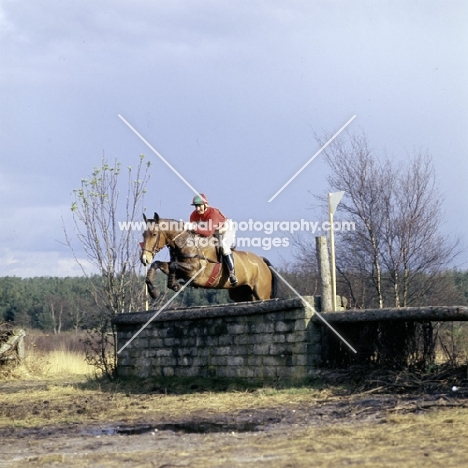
324, 272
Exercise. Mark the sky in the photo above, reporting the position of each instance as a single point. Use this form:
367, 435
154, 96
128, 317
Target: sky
231, 93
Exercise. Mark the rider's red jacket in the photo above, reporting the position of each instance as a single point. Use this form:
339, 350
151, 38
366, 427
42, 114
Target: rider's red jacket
208, 222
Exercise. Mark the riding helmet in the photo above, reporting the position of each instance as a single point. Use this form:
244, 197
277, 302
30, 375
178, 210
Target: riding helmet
200, 199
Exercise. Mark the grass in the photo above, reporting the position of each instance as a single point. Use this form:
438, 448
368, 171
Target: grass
63, 361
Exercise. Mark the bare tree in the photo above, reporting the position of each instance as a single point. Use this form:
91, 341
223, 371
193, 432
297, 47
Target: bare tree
355, 170
56, 306
111, 249
396, 253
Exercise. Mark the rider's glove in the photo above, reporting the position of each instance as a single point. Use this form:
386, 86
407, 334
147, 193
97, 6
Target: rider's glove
190, 226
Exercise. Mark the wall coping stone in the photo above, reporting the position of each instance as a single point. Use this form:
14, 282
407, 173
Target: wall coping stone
213, 311
400, 314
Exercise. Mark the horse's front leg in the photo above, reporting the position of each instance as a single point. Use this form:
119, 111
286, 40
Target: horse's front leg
172, 277
179, 271
168, 270
152, 290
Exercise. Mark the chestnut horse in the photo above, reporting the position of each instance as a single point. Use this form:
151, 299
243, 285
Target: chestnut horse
189, 253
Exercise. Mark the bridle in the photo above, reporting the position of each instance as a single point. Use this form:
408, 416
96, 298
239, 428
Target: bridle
155, 249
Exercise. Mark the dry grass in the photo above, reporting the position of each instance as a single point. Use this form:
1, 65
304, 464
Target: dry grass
40, 364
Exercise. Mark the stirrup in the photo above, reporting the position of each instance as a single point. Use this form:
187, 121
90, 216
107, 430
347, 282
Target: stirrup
233, 280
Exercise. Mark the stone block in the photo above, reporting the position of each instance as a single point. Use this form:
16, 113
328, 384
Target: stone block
245, 372
184, 361
284, 327
276, 349
203, 352
156, 342
236, 328
221, 351
260, 339
187, 351
261, 349
225, 372
243, 339
187, 371
211, 341
225, 340
200, 341
270, 372
200, 362
218, 328
278, 338
299, 348
254, 361
235, 360
261, 327
299, 360
296, 337
301, 325
274, 361
169, 342
218, 361
236, 350
167, 361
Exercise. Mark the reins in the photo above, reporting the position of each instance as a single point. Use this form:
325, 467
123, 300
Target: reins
178, 249
181, 254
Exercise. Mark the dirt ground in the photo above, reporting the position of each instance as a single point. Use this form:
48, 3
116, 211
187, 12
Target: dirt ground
363, 429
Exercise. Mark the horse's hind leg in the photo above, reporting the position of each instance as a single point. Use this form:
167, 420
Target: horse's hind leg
263, 289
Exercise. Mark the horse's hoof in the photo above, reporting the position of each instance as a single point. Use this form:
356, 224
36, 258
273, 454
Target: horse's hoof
154, 293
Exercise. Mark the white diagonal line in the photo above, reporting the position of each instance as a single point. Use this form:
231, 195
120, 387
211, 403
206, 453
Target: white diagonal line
312, 158
160, 310
315, 312
158, 154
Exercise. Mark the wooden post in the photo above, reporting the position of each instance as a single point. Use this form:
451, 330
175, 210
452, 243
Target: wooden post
333, 200
332, 257
146, 289
324, 272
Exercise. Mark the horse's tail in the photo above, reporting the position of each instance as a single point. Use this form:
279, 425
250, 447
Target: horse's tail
274, 279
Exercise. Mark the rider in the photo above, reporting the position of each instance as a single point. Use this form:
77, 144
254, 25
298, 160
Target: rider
206, 221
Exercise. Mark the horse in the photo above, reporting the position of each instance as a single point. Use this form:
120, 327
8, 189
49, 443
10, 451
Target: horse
190, 252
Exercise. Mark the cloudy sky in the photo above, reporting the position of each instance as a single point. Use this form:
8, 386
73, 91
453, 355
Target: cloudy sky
231, 93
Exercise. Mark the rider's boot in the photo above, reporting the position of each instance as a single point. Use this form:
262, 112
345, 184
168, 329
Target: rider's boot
229, 262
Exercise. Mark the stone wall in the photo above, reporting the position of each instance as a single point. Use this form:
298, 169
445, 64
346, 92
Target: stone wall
259, 340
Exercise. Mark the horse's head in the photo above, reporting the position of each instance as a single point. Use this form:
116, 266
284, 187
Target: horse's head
154, 239
158, 234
